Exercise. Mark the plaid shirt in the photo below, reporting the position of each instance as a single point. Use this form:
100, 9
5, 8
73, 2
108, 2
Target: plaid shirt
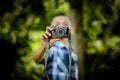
58, 63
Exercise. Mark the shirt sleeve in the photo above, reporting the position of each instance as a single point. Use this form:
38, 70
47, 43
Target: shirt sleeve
74, 75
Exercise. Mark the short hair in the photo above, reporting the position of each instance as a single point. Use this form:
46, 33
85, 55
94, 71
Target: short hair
59, 14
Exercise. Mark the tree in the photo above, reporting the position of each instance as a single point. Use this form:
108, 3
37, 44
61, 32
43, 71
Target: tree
77, 19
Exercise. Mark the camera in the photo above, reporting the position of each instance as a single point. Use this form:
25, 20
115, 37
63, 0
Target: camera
60, 32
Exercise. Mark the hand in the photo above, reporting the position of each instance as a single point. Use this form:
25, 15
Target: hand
45, 37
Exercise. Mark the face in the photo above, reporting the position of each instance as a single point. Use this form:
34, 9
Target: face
61, 21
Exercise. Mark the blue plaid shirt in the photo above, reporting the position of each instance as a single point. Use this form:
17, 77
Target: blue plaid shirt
58, 63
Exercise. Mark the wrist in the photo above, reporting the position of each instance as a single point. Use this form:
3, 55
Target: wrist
42, 48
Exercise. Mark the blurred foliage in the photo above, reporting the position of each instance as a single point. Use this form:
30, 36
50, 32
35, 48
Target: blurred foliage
101, 21
23, 21
102, 38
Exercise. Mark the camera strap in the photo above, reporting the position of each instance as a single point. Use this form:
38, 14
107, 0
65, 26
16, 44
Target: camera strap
70, 54
46, 58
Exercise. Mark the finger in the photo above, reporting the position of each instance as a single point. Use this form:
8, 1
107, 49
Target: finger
45, 36
57, 39
54, 40
47, 28
47, 33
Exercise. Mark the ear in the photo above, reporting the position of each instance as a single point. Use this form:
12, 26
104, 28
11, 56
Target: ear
71, 30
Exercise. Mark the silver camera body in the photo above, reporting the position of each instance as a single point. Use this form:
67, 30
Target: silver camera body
60, 32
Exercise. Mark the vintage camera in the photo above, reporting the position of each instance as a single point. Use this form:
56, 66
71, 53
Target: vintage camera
60, 32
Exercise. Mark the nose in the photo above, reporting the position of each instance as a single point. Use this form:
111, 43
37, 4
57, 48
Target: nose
59, 25
62, 24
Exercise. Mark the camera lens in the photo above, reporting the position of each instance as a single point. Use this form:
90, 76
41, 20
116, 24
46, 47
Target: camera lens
60, 32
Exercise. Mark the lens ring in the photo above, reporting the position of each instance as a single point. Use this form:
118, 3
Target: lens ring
60, 32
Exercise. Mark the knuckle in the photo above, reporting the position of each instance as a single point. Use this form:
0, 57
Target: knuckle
48, 28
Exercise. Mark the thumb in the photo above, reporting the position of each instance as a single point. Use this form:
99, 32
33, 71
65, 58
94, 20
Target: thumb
54, 40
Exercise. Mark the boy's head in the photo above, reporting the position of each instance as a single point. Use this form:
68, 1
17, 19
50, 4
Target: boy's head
61, 20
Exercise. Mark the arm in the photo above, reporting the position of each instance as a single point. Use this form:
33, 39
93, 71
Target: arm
39, 54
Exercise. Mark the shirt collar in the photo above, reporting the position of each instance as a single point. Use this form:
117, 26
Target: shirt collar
59, 44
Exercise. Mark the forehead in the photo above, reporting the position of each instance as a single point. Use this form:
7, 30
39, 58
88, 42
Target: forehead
60, 19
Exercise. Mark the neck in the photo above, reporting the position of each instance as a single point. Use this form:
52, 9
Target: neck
65, 41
